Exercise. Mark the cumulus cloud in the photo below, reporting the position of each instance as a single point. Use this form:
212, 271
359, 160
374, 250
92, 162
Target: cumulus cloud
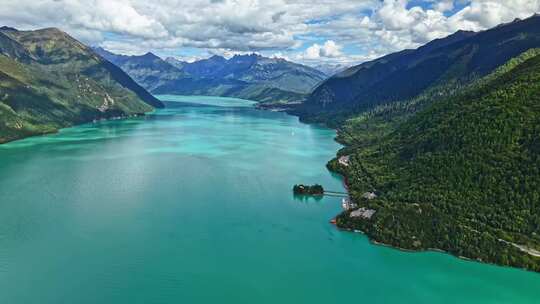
83, 17
328, 49
401, 26
444, 5
291, 28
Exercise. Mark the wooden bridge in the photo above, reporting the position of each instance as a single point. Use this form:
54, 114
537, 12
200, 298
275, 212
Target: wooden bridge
336, 193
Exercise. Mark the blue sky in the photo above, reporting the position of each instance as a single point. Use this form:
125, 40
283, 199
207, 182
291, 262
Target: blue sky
308, 31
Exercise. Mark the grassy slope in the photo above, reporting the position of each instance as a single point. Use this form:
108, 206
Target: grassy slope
229, 88
264, 94
61, 83
461, 175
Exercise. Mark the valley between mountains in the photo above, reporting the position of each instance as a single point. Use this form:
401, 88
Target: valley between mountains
446, 137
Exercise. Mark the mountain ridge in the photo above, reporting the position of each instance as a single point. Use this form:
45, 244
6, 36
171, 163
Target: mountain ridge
49, 80
244, 76
460, 175
456, 59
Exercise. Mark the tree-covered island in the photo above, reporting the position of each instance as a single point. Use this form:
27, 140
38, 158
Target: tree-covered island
308, 189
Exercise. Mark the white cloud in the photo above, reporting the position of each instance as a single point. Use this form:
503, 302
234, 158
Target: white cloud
328, 49
117, 16
395, 16
189, 58
280, 55
270, 26
444, 5
400, 26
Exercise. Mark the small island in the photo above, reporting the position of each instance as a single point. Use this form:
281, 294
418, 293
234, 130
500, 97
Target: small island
308, 190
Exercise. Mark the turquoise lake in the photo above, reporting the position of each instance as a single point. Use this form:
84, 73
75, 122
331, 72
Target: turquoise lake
193, 204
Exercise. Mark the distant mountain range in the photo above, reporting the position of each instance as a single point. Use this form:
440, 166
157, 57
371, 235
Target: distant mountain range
48, 80
331, 69
179, 64
244, 76
148, 70
448, 62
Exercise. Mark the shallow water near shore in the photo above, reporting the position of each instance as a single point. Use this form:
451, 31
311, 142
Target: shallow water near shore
193, 204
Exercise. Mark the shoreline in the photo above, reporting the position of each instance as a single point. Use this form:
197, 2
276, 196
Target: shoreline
372, 241
341, 174
436, 250
378, 243
431, 250
93, 121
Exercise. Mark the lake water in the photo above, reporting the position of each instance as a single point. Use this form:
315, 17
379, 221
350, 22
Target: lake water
193, 204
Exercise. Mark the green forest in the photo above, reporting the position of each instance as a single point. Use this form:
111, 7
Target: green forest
460, 173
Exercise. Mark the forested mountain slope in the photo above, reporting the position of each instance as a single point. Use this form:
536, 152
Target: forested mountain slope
441, 64
461, 175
